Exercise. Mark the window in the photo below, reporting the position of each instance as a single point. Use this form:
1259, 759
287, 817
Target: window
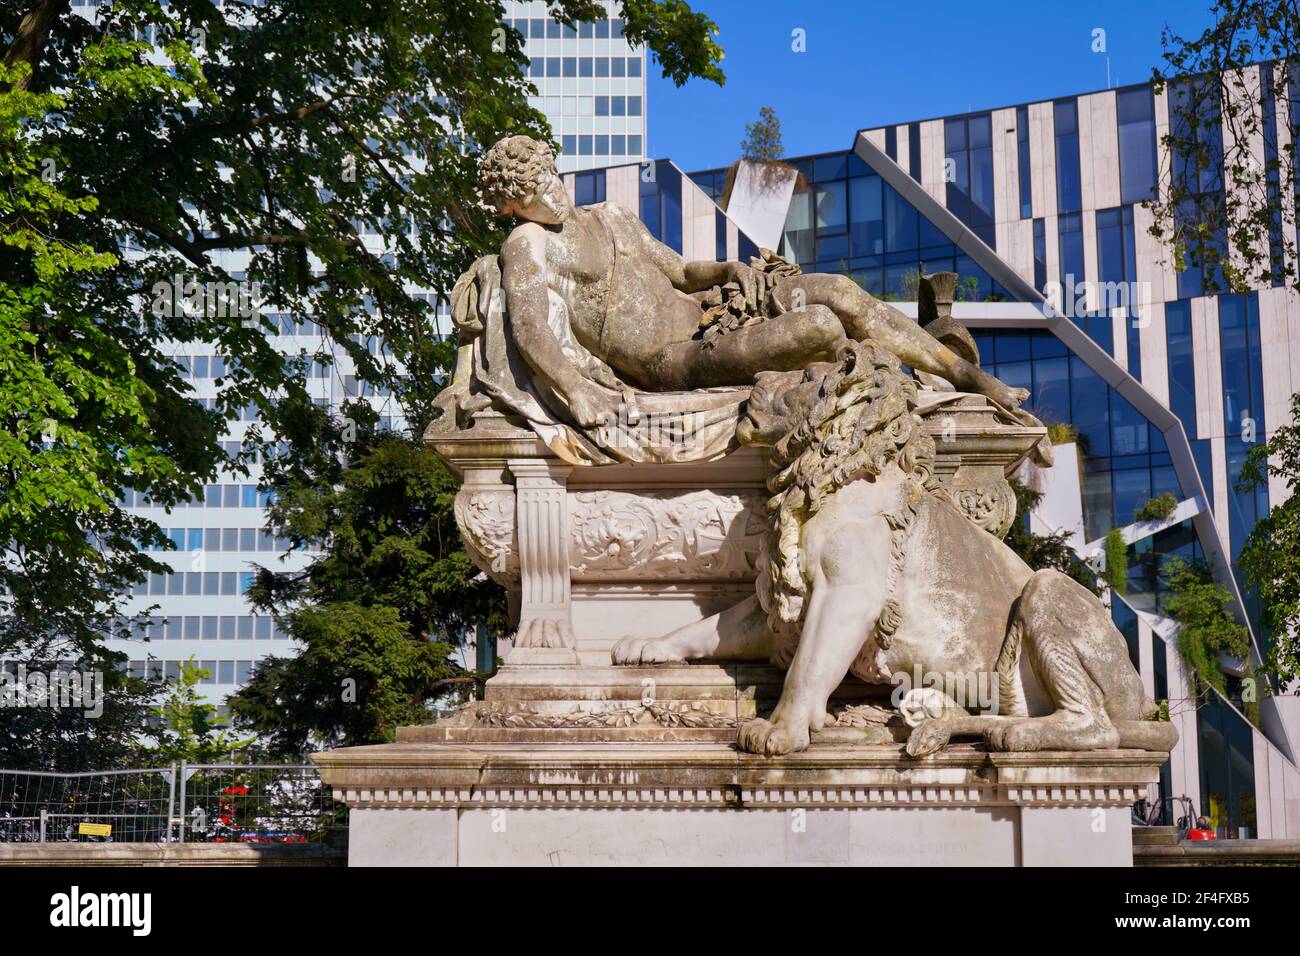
1135, 116
1194, 119
1117, 273
1069, 190
968, 148
1182, 365
1040, 255
1243, 408
589, 187
1070, 234
1022, 160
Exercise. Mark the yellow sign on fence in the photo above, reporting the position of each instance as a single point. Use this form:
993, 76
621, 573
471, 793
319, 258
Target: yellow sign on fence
95, 829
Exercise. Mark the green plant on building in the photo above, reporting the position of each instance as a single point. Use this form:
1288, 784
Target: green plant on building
1061, 433
1158, 508
1114, 570
1207, 630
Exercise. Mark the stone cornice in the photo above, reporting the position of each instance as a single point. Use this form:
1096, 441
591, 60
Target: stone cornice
677, 776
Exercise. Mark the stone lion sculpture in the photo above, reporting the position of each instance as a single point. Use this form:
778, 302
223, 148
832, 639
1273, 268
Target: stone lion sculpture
868, 568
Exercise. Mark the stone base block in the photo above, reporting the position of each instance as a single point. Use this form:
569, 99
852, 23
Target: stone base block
675, 804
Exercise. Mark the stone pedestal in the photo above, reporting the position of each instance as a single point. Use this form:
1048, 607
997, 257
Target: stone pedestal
676, 804
590, 554
571, 761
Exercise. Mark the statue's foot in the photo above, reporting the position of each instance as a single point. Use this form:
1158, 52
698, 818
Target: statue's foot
647, 650
1008, 397
544, 632
767, 739
929, 737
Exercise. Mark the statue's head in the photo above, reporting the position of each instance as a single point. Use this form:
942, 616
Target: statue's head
778, 401
519, 178
858, 411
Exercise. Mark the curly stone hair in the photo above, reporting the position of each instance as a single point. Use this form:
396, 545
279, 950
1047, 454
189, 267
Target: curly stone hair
511, 170
862, 421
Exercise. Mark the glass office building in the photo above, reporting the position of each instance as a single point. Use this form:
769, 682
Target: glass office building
590, 84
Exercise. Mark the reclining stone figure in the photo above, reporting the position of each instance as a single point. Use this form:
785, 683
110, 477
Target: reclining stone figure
636, 306
868, 568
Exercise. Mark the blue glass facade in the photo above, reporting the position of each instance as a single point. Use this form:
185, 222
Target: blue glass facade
1125, 460
1227, 763
851, 221
968, 151
1243, 408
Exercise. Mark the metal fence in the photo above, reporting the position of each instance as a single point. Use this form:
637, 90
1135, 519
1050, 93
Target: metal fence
194, 803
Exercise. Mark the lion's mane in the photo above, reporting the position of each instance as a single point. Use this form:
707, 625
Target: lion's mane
861, 422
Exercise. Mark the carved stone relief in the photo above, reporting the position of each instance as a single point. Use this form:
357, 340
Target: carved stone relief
702, 535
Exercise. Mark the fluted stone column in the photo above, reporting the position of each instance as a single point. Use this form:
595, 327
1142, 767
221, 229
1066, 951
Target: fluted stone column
545, 633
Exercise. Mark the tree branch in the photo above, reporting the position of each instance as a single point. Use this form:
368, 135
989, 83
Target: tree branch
29, 39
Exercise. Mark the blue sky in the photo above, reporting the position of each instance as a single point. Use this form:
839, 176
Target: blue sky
869, 63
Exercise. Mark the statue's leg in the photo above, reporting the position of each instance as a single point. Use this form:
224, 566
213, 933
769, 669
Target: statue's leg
841, 610
739, 633
1081, 661
866, 317
782, 344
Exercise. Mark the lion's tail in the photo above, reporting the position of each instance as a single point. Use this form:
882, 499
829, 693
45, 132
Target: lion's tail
1011, 693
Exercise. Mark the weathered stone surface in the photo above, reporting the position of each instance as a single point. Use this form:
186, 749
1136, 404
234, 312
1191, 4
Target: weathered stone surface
690, 804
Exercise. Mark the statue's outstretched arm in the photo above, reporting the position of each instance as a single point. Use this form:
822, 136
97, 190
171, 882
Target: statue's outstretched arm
524, 281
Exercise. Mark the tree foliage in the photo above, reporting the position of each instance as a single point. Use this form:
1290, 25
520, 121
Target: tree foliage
186, 726
762, 142
319, 158
1225, 211
1270, 558
91, 734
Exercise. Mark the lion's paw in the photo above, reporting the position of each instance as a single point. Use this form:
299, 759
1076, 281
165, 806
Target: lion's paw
646, 650
1011, 736
929, 737
762, 737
